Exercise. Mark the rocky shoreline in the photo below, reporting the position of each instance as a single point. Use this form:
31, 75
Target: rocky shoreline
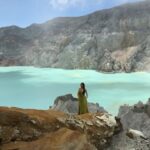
60, 128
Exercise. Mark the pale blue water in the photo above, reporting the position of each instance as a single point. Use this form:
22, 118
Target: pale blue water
30, 87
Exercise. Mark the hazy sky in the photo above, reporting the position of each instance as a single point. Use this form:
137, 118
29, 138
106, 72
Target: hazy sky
26, 12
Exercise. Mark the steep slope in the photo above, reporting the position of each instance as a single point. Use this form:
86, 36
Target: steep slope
135, 117
115, 39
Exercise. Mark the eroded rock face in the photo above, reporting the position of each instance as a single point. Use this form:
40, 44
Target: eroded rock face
29, 129
99, 128
69, 104
111, 40
135, 120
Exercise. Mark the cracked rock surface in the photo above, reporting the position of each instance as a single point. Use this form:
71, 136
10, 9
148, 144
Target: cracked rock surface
24, 129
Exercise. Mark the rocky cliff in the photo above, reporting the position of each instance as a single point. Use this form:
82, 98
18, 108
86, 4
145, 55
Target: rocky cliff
134, 122
24, 129
137, 118
115, 39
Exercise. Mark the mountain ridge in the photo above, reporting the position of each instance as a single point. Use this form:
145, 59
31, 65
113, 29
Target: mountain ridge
110, 40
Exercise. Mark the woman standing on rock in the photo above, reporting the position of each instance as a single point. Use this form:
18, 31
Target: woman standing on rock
83, 106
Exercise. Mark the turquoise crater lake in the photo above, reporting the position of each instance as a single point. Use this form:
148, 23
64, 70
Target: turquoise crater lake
31, 87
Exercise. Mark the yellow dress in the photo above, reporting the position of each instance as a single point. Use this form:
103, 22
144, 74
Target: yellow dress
83, 106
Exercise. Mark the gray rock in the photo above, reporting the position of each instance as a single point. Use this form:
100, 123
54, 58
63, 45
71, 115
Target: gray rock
147, 108
89, 123
137, 118
69, 104
135, 134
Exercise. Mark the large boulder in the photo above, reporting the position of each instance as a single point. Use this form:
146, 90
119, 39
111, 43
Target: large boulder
26, 129
68, 104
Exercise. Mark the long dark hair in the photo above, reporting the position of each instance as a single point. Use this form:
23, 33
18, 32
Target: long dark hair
83, 87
